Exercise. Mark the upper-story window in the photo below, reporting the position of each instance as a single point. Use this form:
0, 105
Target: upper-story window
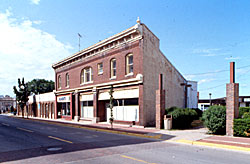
67, 80
100, 68
113, 68
59, 82
129, 64
86, 75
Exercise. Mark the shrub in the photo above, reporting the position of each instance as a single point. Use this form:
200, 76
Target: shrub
215, 119
171, 109
242, 127
246, 115
243, 110
199, 113
182, 118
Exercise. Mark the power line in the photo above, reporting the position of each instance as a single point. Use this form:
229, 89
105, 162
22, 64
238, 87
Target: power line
225, 70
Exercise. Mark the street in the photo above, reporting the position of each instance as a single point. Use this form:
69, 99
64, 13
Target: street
27, 141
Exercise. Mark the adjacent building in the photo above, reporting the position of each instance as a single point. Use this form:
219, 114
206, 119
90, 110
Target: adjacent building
203, 104
131, 62
6, 102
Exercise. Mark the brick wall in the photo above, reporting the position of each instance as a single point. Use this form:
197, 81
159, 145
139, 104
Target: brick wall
119, 54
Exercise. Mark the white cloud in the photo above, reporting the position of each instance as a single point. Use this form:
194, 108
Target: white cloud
210, 52
205, 81
35, 2
232, 58
26, 51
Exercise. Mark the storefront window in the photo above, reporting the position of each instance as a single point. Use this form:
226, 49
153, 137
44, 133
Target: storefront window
87, 109
65, 108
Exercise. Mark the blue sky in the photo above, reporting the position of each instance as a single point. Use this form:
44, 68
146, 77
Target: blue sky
199, 37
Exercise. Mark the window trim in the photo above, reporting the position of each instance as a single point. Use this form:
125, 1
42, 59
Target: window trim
128, 65
83, 77
59, 82
98, 68
112, 68
67, 80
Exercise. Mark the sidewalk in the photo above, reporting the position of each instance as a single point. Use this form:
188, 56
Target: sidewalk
196, 136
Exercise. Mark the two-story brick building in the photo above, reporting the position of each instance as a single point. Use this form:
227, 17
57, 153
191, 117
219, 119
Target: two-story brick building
131, 61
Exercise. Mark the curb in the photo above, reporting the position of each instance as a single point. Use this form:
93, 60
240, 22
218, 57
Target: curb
222, 146
93, 128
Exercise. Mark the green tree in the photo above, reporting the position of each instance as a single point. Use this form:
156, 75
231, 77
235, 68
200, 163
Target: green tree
38, 86
22, 95
111, 105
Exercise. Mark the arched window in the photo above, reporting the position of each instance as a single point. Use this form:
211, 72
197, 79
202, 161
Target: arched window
113, 68
67, 80
86, 75
129, 64
59, 82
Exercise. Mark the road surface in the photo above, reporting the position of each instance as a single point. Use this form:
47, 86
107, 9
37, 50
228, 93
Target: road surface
27, 141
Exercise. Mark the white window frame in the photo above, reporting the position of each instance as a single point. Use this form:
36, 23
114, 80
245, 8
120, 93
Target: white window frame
84, 75
128, 65
112, 68
59, 82
100, 69
67, 80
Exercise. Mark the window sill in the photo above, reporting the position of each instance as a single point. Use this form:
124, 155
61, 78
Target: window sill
100, 74
112, 78
67, 87
86, 83
130, 74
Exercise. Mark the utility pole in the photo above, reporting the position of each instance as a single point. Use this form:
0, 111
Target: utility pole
79, 35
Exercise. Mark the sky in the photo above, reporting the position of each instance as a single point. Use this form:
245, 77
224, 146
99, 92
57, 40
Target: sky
199, 37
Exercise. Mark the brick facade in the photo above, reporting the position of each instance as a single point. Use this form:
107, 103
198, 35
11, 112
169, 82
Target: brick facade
148, 63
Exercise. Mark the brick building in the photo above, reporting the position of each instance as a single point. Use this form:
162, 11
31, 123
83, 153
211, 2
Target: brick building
131, 61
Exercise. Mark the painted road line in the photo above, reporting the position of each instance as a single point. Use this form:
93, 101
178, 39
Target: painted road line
60, 139
25, 130
5, 124
97, 129
199, 143
134, 159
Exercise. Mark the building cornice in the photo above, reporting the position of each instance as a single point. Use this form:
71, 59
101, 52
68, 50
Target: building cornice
134, 29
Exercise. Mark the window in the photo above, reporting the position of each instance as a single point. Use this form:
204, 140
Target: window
86, 75
100, 68
67, 80
87, 109
59, 82
113, 68
129, 64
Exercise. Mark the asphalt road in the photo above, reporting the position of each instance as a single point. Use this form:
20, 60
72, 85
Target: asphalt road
27, 141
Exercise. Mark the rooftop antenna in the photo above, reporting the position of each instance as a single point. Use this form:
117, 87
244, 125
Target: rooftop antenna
79, 35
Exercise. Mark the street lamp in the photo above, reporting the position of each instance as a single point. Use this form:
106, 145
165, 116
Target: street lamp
210, 101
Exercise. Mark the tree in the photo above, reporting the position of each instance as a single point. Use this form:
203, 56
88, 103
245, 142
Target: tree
22, 95
37, 86
111, 105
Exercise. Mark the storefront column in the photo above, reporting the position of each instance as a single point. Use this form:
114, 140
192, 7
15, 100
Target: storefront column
55, 113
95, 105
71, 106
77, 117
